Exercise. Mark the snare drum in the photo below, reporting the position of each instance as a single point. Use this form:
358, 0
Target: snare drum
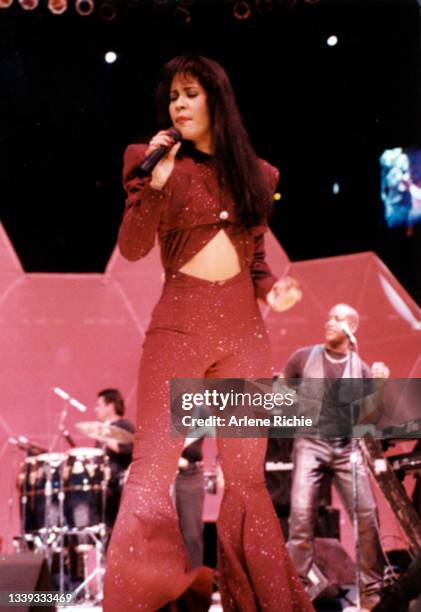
85, 477
39, 483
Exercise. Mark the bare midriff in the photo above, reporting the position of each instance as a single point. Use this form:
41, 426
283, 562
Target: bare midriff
216, 261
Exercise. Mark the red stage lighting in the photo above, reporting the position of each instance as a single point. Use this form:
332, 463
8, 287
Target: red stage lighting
84, 7
29, 5
57, 6
241, 10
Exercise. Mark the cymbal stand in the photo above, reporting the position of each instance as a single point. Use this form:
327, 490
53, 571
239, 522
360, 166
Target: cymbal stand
61, 428
61, 518
62, 528
49, 531
24, 503
99, 540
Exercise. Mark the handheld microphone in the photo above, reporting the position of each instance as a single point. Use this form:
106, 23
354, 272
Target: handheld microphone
347, 331
153, 158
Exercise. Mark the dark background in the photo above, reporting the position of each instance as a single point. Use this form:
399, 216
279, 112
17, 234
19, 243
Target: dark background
322, 114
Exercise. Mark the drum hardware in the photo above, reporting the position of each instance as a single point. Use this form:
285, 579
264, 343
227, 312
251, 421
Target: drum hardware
23, 443
98, 537
407, 462
62, 433
85, 484
63, 499
63, 495
393, 492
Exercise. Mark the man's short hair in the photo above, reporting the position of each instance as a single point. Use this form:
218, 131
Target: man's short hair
113, 396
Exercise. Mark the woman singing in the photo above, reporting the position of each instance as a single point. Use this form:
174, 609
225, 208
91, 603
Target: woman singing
208, 201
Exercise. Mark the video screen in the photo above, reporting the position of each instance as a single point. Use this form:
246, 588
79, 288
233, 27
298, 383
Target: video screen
401, 186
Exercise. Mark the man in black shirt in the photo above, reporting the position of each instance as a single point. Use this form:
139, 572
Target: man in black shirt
330, 450
110, 409
88, 505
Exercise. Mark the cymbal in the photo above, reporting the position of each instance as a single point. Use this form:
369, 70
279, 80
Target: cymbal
103, 431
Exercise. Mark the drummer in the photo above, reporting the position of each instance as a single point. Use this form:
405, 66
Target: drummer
110, 409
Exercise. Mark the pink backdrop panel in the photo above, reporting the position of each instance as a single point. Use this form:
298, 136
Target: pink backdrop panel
85, 332
390, 328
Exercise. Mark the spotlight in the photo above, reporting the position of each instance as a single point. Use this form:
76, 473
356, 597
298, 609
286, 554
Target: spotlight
110, 57
5, 3
28, 5
108, 11
84, 7
263, 6
241, 10
57, 7
332, 41
181, 15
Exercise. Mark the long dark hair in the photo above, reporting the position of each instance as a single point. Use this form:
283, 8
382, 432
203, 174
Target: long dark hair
236, 162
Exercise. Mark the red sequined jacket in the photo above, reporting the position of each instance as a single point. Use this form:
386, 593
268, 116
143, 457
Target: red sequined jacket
186, 214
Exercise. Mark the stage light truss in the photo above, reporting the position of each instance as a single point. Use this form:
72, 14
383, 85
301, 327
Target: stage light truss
181, 10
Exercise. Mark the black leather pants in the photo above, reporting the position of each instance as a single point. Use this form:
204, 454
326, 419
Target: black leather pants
311, 459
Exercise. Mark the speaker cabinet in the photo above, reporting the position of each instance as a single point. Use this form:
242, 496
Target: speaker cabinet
25, 572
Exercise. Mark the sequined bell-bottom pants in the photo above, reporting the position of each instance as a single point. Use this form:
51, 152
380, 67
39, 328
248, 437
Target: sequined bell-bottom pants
199, 329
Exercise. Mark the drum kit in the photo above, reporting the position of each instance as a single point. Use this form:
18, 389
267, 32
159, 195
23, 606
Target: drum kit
63, 497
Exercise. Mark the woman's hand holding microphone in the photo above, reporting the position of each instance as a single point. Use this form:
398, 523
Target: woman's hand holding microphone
164, 167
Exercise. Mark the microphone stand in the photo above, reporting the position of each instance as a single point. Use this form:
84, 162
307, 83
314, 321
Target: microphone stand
354, 473
61, 427
61, 495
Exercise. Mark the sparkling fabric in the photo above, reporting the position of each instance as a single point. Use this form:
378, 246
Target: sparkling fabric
186, 214
198, 329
